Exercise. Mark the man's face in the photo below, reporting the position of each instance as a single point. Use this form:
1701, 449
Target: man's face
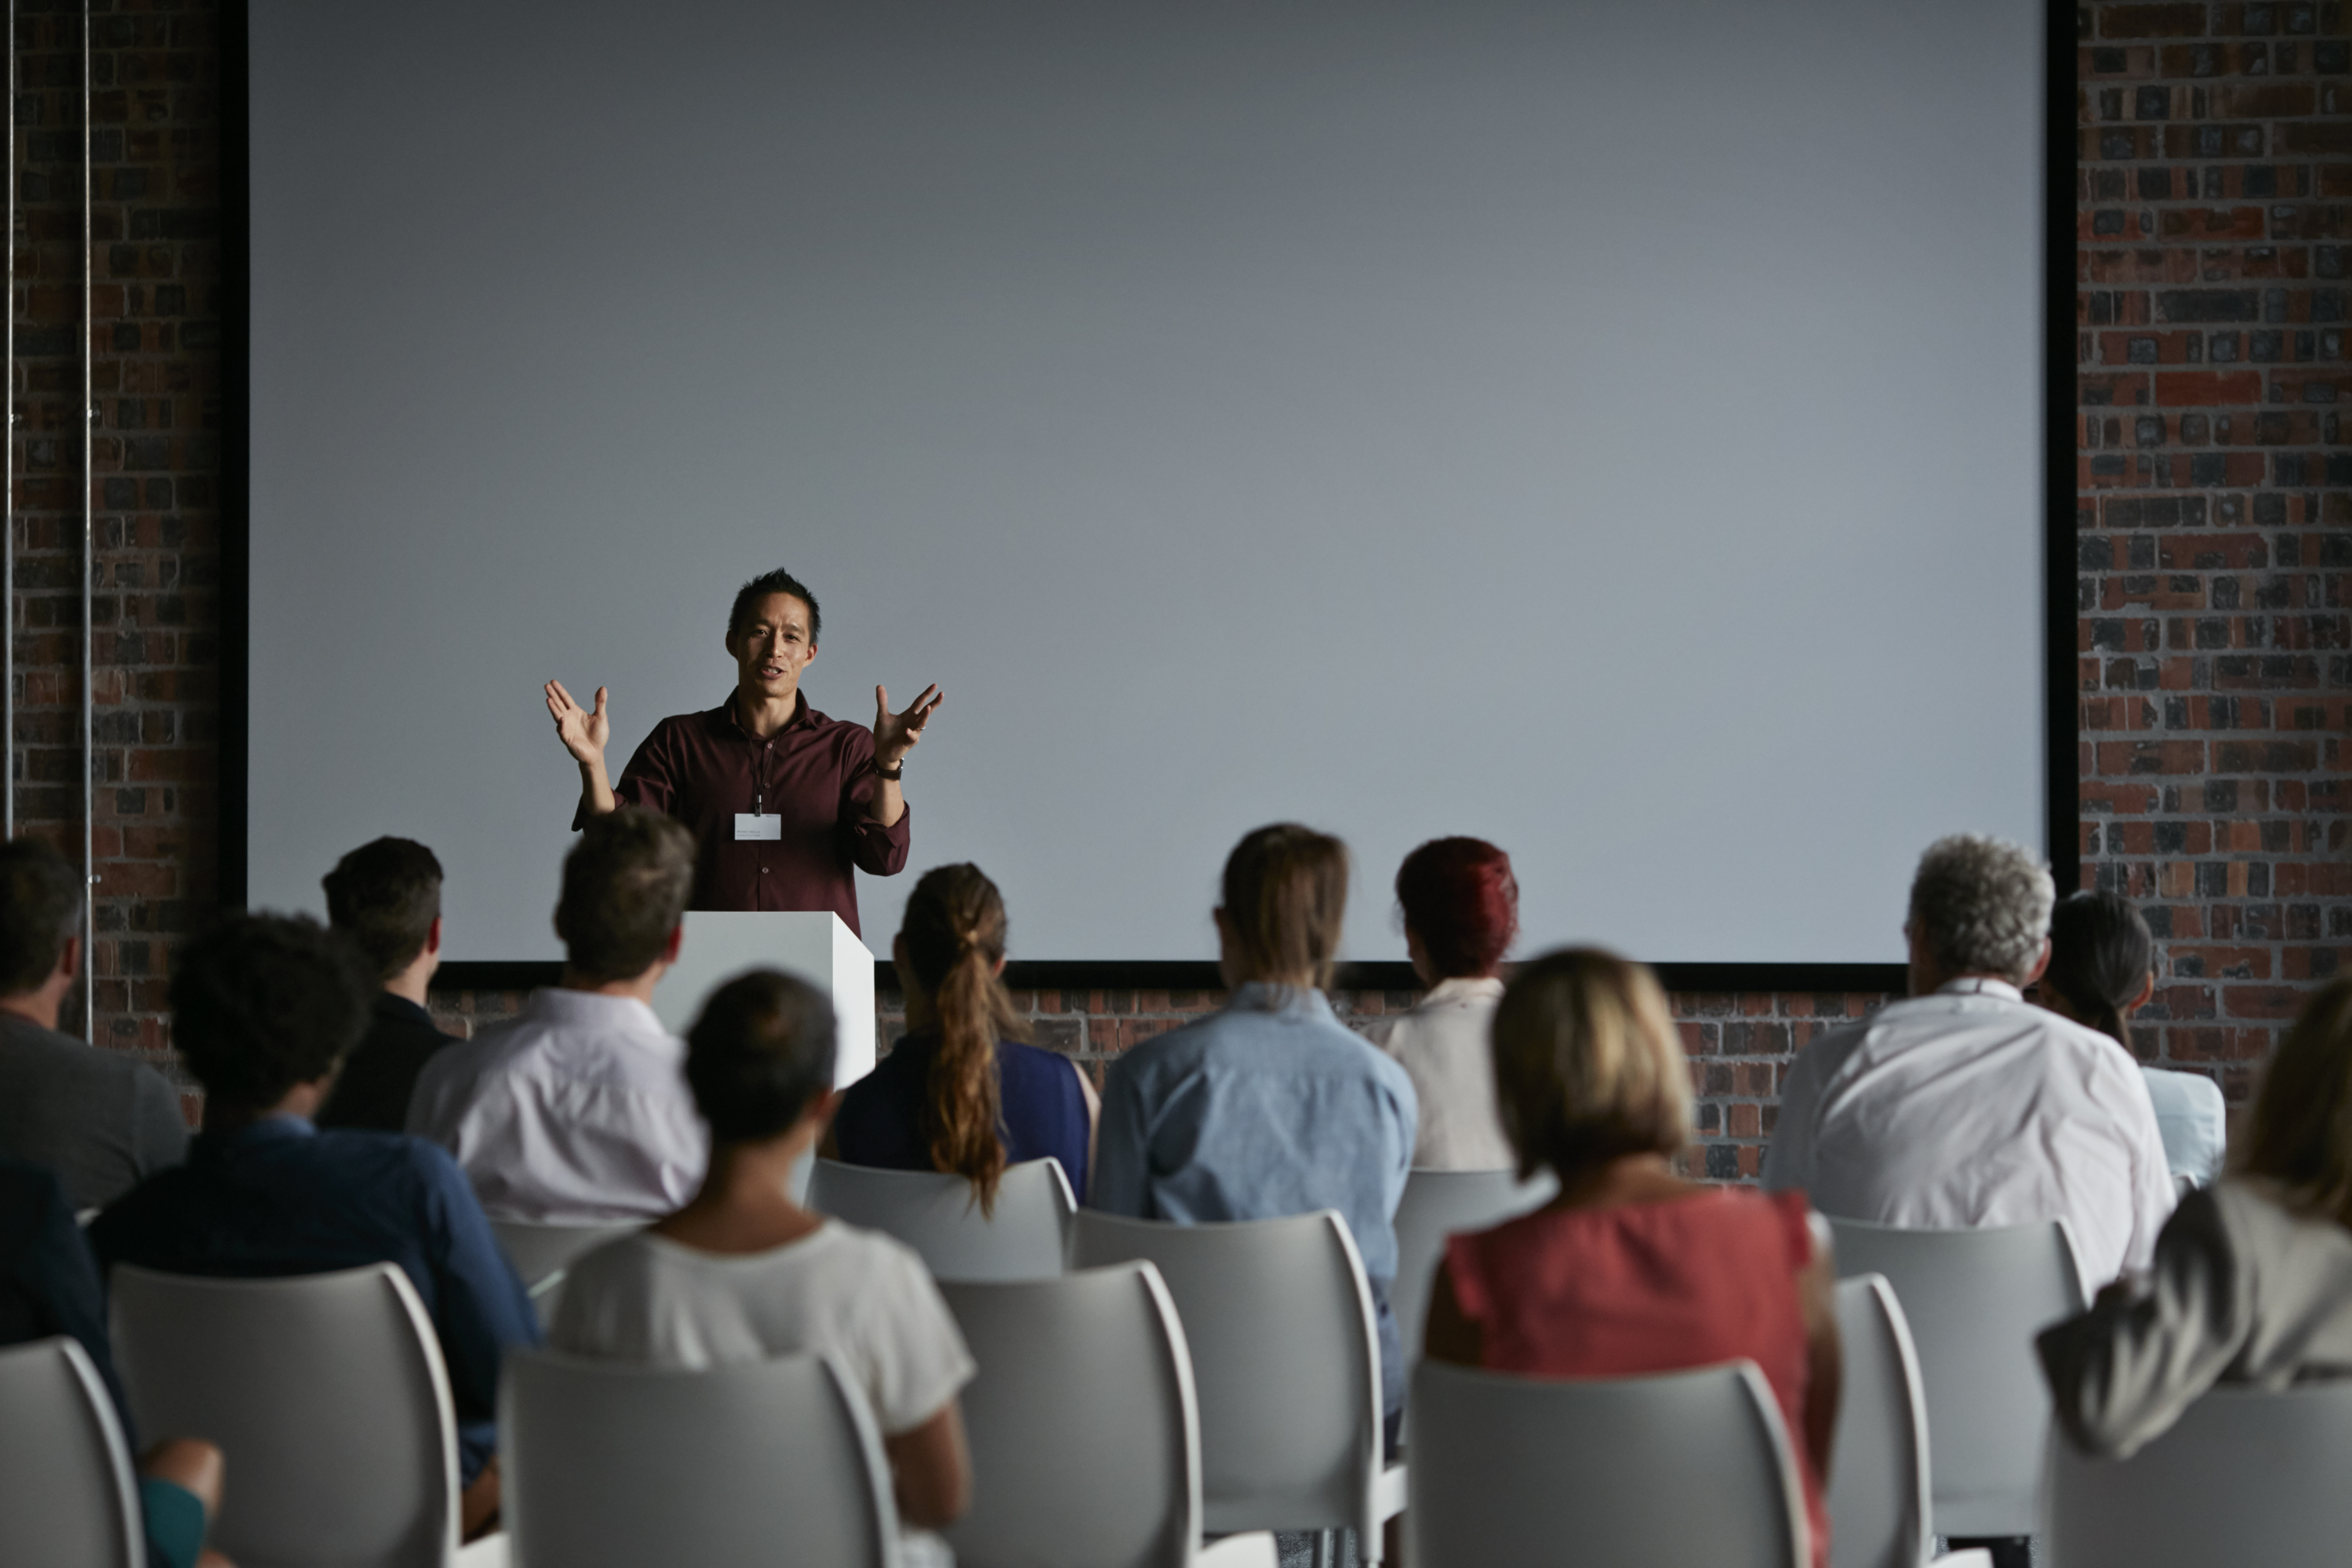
772, 646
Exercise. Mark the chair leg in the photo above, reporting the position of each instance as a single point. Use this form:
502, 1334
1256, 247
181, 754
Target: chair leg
1327, 1549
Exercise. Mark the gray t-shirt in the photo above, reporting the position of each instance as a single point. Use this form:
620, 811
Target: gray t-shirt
102, 1121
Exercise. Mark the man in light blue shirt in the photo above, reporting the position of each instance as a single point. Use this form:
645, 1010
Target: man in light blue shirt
1271, 1107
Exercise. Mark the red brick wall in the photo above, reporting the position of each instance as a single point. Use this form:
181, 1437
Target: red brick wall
2216, 527
2214, 212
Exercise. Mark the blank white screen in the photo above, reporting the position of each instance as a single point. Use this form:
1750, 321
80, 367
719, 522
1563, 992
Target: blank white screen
1611, 430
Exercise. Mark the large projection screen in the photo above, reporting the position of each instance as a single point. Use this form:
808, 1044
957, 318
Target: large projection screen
1609, 430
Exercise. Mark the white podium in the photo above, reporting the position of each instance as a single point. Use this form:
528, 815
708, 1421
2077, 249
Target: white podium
722, 943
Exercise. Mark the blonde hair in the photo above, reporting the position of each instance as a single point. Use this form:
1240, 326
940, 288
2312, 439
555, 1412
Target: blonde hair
1285, 894
953, 936
1587, 1067
2300, 1134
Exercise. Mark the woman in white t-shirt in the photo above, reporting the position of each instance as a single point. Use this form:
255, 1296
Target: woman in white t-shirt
742, 1273
1461, 907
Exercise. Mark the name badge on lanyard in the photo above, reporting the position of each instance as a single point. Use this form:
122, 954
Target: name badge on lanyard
758, 825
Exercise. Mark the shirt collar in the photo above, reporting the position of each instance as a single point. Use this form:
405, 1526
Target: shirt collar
1302, 1000
722, 718
1462, 987
388, 1005
267, 1130
625, 1014
1980, 986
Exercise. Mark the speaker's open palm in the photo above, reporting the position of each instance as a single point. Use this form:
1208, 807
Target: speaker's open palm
584, 732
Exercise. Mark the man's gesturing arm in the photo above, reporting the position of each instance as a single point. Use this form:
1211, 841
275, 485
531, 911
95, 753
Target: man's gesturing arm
894, 734
583, 734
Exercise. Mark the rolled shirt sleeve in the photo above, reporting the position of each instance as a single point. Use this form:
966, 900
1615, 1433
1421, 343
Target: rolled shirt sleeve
873, 848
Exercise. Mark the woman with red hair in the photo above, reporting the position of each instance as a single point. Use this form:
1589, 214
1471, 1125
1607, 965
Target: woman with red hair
1461, 910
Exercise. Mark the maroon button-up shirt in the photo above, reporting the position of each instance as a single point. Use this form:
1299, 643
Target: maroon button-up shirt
816, 773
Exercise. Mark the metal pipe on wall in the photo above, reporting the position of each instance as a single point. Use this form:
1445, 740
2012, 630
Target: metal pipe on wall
8, 480
89, 560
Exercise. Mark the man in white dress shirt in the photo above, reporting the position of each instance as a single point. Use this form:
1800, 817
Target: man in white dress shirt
1966, 1106
578, 1111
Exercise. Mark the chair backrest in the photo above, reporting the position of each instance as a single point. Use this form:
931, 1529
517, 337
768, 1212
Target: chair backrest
1439, 1203
1682, 1468
2243, 1476
1878, 1497
1026, 1238
1085, 1436
68, 1496
1285, 1363
772, 1461
1974, 1300
327, 1398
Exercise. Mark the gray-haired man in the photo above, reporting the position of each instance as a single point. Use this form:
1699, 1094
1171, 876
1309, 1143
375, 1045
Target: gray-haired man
1967, 1106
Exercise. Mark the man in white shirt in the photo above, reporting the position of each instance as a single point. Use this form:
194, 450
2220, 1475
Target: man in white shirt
577, 1111
1966, 1106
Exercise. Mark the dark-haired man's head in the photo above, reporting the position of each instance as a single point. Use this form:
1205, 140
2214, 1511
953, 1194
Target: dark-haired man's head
760, 1056
263, 1008
40, 929
384, 898
625, 886
772, 635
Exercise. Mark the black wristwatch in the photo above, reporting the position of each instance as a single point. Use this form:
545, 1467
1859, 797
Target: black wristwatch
894, 774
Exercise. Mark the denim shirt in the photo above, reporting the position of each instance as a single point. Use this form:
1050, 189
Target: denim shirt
1268, 1108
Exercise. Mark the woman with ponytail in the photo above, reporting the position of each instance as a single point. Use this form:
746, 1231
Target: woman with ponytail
2102, 971
960, 1092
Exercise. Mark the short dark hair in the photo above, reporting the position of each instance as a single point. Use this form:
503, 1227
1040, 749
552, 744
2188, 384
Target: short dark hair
759, 1053
1460, 897
261, 1003
1286, 896
748, 597
384, 897
40, 912
626, 885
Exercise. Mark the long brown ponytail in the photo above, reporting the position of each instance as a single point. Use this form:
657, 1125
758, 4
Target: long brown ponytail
951, 937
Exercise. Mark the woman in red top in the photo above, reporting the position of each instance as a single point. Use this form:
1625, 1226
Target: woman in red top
1633, 1269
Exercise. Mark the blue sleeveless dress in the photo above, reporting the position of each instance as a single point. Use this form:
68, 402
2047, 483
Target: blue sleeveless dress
1041, 1110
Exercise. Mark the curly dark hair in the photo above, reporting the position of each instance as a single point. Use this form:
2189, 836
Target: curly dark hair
759, 1053
261, 1003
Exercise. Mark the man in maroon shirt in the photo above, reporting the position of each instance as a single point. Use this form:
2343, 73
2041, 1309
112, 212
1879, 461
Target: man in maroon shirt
783, 801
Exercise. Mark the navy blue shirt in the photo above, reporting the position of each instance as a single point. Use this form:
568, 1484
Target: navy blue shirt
883, 1118
281, 1198
48, 1285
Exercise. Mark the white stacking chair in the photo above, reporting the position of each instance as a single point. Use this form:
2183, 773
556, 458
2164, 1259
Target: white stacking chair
1681, 1467
1973, 1300
541, 1252
775, 1462
1439, 1203
1285, 1363
1026, 1238
327, 1396
1878, 1491
2245, 1476
69, 1497
1086, 1436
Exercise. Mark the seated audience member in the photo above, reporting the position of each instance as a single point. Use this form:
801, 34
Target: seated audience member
2102, 971
743, 1273
384, 898
959, 1092
100, 1119
263, 1007
574, 1112
1269, 1107
1461, 910
48, 1286
2253, 1278
1967, 1106
1632, 1270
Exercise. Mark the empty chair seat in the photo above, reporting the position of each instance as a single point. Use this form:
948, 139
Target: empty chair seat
1973, 1300
68, 1496
773, 1462
1682, 1468
1085, 1432
1027, 1237
541, 1253
1878, 1493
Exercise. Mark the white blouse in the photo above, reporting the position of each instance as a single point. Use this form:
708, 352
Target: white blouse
1442, 1045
